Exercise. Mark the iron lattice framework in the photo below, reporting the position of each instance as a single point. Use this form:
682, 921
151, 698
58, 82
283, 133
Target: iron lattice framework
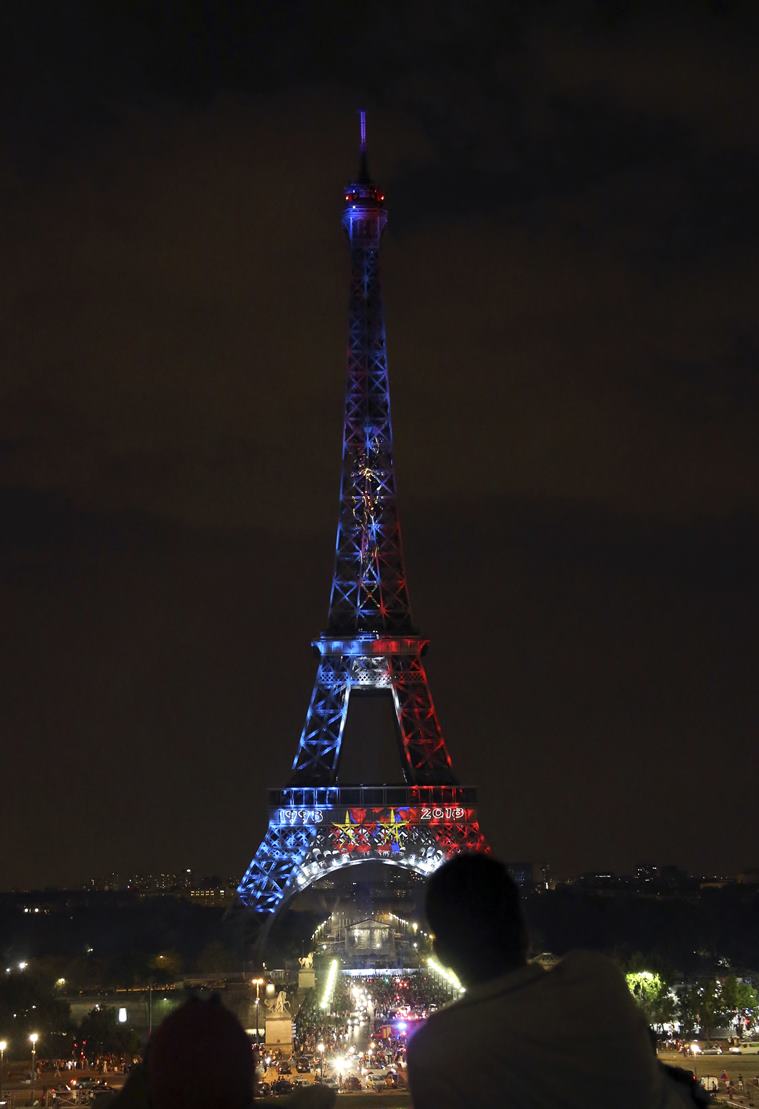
316, 824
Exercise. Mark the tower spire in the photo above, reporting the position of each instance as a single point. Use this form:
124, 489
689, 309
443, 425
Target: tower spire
369, 592
363, 162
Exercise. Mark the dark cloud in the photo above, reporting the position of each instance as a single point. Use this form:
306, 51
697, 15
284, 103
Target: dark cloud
570, 277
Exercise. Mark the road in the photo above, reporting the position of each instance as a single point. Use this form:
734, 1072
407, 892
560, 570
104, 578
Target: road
747, 1066
14, 1082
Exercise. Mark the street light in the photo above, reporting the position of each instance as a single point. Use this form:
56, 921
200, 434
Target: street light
3, 1046
257, 982
33, 1040
320, 1049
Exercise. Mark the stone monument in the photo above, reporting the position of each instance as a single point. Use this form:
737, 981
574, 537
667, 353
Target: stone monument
279, 1023
306, 974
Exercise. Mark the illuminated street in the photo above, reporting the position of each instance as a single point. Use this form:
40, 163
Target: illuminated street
352, 1034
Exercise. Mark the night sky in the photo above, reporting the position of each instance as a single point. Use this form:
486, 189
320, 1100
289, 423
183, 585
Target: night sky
570, 276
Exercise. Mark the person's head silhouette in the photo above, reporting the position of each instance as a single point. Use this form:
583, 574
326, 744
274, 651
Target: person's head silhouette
200, 1058
474, 911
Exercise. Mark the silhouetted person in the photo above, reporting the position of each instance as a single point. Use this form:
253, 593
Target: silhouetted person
522, 1037
200, 1058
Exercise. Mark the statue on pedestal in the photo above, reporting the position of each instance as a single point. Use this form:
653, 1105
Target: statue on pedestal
279, 1006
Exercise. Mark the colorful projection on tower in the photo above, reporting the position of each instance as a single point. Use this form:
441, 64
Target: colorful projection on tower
303, 845
376, 832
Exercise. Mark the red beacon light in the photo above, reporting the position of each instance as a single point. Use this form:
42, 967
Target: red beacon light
356, 194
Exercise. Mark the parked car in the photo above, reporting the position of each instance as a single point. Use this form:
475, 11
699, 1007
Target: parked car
380, 1073
102, 1097
282, 1086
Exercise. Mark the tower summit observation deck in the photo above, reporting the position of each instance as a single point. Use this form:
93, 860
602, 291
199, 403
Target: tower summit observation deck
317, 824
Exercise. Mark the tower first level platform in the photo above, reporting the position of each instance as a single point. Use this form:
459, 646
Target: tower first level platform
314, 831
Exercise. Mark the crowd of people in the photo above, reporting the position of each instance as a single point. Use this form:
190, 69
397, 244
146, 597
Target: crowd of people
412, 995
100, 1062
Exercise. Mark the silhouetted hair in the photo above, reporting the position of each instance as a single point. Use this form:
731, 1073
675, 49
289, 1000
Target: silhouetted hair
200, 1058
472, 901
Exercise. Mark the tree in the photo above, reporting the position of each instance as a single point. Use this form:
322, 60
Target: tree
166, 966
129, 968
28, 1004
215, 958
653, 995
102, 1033
740, 1000
688, 1001
702, 1005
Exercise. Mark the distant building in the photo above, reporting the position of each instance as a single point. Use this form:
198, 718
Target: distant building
546, 881
661, 878
110, 882
605, 882
212, 892
207, 891
522, 873
375, 941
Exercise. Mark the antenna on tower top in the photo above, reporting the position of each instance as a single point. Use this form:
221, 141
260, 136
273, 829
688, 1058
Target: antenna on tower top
363, 164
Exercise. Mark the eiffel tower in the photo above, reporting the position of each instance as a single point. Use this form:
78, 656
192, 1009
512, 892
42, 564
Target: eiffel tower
317, 824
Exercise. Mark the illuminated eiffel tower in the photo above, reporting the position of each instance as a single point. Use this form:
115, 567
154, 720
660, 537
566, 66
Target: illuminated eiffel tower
317, 824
